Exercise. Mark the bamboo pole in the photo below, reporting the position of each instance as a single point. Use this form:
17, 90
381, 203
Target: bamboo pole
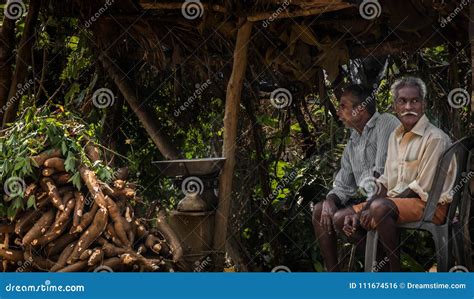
234, 92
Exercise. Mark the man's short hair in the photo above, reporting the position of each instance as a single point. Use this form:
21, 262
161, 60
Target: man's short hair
361, 97
408, 82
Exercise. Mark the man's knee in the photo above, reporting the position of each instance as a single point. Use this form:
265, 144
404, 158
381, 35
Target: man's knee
317, 209
340, 216
383, 208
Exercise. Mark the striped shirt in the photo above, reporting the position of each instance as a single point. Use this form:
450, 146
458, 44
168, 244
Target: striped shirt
364, 154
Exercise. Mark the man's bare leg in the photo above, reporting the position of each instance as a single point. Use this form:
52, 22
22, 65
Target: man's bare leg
358, 236
327, 240
385, 215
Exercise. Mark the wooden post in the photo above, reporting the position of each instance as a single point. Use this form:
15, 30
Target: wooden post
234, 91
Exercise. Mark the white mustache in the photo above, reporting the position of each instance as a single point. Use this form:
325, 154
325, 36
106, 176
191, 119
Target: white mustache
409, 112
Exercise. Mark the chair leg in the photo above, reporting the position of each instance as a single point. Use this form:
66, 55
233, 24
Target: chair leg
371, 251
458, 244
443, 250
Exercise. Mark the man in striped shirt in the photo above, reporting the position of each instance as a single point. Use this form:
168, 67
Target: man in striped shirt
363, 158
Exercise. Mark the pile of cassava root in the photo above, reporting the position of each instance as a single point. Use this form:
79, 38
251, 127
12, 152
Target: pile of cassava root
93, 228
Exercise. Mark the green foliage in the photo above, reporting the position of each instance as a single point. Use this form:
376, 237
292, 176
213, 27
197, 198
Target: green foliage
34, 132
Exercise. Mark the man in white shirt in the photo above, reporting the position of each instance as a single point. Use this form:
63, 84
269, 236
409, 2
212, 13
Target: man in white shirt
414, 150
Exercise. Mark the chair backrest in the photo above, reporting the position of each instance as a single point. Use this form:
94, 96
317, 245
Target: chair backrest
460, 150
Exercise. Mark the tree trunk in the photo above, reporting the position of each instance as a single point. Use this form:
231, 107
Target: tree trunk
258, 140
7, 44
112, 135
146, 117
23, 60
234, 92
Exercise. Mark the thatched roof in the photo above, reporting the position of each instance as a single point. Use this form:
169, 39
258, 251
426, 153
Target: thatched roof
292, 40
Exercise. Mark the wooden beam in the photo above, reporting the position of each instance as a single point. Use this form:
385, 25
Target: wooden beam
233, 95
177, 5
298, 13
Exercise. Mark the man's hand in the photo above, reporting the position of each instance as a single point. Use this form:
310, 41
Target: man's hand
328, 211
366, 219
351, 222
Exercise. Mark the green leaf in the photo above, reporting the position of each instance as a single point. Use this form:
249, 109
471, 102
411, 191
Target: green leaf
70, 162
31, 202
11, 211
76, 180
63, 148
